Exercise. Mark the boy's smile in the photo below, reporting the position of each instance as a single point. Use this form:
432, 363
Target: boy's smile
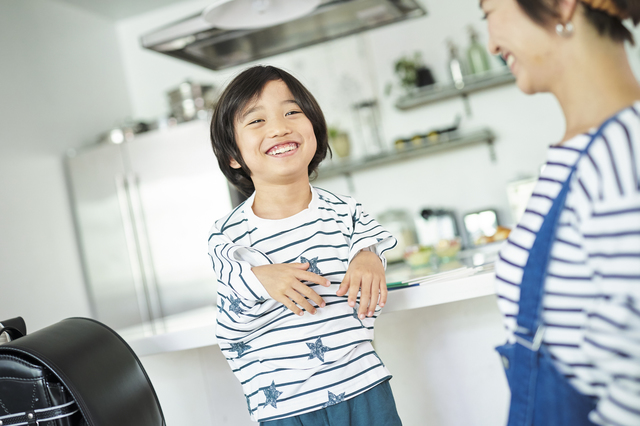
275, 138
282, 149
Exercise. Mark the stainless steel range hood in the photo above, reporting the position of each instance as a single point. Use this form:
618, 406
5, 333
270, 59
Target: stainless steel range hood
196, 41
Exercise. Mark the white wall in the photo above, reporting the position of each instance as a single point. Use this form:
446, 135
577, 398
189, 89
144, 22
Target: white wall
61, 83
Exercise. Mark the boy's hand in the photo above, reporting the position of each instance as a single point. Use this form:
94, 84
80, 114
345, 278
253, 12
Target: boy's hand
283, 282
366, 274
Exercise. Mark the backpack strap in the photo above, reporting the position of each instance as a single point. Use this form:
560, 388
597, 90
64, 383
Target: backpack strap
42, 415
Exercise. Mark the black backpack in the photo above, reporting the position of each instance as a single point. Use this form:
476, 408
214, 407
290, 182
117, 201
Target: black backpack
77, 372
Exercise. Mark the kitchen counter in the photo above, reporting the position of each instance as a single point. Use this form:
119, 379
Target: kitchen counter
197, 328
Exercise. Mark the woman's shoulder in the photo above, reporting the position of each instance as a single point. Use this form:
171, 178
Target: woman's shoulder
626, 121
608, 174
614, 156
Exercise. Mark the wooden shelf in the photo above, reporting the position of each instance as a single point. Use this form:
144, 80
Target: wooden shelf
453, 140
438, 92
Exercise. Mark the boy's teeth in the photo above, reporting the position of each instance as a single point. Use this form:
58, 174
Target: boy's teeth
510, 60
280, 149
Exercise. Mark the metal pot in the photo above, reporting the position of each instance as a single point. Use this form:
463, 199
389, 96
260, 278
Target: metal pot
191, 100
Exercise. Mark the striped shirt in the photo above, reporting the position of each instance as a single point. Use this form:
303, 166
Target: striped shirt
289, 364
591, 303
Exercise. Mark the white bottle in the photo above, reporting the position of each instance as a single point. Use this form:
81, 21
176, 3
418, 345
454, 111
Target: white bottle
457, 68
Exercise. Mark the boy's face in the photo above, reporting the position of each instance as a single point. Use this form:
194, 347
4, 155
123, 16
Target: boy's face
275, 138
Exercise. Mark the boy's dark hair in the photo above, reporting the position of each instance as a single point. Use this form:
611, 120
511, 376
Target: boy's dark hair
244, 88
544, 11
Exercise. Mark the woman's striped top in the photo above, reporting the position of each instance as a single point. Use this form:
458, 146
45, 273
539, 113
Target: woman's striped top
289, 364
591, 304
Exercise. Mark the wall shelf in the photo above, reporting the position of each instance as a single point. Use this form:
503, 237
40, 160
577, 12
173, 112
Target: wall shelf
453, 140
438, 92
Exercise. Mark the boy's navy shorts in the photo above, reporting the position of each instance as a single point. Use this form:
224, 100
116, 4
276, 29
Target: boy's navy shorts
375, 407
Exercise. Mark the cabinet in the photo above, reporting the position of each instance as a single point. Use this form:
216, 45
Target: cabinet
143, 211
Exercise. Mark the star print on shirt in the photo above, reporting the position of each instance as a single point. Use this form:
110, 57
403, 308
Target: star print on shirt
317, 350
271, 394
313, 264
240, 347
333, 399
235, 305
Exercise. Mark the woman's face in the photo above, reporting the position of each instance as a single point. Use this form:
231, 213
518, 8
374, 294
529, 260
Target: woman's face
527, 47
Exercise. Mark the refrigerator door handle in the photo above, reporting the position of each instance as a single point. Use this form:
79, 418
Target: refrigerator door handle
134, 255
144, 247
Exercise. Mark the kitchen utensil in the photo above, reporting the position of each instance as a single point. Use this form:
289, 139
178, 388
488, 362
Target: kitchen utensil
191, 100
368, 120
434, 225
480, 225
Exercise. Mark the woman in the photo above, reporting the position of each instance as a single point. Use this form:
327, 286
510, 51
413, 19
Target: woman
568, 278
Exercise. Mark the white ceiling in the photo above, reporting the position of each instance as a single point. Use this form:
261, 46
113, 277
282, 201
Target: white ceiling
119, 9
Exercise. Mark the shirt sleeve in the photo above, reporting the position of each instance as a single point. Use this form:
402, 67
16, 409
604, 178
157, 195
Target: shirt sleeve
241, 296
368, 233
612, 334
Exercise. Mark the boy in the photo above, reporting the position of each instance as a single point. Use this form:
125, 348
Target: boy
285, 260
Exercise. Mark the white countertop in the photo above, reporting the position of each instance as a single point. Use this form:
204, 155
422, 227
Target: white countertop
197, 328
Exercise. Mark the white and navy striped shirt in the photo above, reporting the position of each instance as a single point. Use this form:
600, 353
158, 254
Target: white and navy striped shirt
289, 364
591, 304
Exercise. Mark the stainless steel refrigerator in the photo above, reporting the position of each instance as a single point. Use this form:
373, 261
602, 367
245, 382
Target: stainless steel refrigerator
143, 212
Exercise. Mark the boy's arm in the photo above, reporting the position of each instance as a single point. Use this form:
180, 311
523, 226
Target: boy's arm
232, 264
367, 263
366, 275
249, 278
284, 283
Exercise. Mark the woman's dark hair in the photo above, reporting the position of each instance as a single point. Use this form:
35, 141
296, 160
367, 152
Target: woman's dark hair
244, 88
545, 11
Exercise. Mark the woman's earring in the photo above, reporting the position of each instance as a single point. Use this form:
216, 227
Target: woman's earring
564, 30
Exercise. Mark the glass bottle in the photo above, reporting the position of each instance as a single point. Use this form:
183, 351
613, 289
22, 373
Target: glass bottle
477, 54
457, 68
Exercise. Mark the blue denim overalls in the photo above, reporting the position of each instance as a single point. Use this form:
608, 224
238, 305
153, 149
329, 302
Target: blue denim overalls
540, 394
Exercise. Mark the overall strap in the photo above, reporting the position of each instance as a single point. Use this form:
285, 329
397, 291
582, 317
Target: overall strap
529, 331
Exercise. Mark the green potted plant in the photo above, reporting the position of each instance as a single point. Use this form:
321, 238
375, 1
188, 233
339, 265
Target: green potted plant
412, 72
